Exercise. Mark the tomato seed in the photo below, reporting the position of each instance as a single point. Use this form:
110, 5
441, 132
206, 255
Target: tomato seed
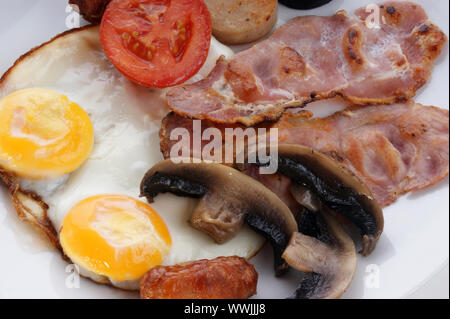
175, 49
180, 24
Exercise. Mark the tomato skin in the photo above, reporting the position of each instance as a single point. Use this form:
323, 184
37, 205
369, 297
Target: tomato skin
153, 62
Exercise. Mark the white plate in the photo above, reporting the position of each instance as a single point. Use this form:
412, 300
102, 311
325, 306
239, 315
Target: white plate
414, 246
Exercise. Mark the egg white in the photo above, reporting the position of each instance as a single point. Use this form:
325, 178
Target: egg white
126, 119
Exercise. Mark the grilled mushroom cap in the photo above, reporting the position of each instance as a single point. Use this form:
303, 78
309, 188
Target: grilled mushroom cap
325, 252
227, 198
333, 186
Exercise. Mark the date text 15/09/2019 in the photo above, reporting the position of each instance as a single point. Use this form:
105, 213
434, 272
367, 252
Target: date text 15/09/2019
235, 308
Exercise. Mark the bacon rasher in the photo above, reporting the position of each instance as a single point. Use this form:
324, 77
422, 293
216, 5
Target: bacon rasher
312, 58
393, 149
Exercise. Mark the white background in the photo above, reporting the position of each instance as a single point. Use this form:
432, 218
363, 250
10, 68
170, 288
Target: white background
412, 255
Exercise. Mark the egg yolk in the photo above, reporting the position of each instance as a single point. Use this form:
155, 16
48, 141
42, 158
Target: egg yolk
115, 236
43, 134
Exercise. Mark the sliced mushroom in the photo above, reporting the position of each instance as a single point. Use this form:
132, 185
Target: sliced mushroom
335, 187
305, 197
227, 198
325, 252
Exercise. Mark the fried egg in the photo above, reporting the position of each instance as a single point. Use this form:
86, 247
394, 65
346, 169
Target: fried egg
43, 134
115, 236
82, 144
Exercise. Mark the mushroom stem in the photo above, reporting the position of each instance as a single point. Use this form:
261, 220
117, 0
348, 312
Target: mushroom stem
328, 257
227, 199
304, 197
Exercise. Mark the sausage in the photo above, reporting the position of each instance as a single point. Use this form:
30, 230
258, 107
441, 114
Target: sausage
239, 22
220, 278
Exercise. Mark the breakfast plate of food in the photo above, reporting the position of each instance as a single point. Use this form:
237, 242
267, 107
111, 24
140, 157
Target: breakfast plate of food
207, 149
